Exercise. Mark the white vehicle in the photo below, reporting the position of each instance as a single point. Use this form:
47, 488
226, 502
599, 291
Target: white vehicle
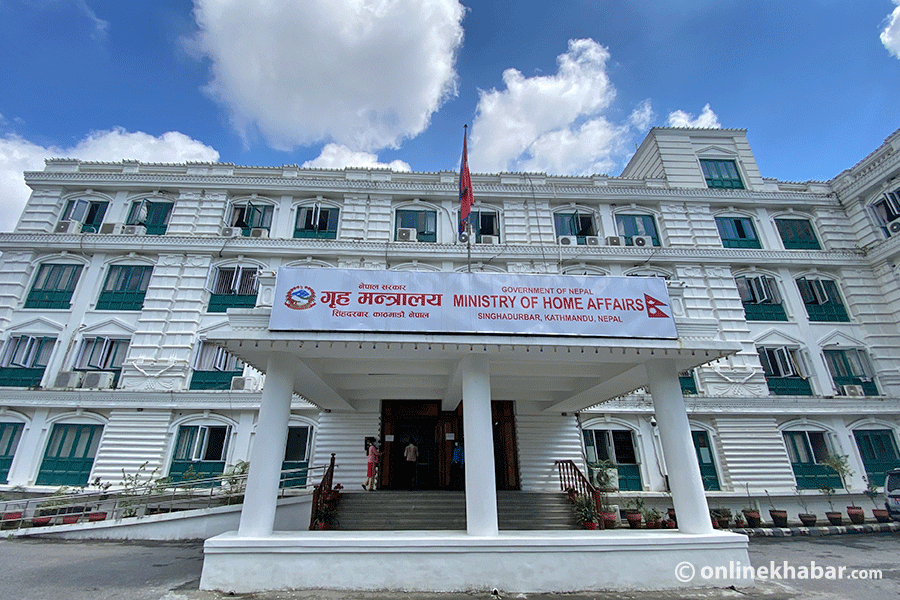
892, 493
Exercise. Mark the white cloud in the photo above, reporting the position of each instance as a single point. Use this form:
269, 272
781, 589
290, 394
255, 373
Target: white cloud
100, 26
553, 122
890, 36
335, 156
366, 74
706, 120
18, 155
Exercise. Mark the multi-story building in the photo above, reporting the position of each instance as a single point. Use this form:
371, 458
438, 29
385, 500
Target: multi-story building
119, 276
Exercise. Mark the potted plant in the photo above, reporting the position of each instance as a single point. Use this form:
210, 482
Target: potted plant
750, 513
881, 514
722, 516
839, 464
586, 512
779, 517
652, 518
738, 520
571, 494
633, 508
807, 518
834, 516
325, 518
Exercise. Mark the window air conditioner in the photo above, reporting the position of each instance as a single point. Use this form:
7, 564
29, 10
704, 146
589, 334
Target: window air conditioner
613, 240
259, 232
852, 390
406, 234
592, 240
490, 239
568, 240
894, 227
243, 384
68, 379
231, 231
98, 380
134, 230
642, 241
111, 228
68, 227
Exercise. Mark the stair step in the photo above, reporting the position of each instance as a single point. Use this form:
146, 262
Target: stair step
388, 510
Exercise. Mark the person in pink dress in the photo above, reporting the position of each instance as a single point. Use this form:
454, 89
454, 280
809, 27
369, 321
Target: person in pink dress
372, 455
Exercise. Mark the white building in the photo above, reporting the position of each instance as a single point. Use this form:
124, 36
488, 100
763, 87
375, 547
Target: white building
786, 297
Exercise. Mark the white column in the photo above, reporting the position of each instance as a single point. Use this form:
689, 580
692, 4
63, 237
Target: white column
478, 432
258, 513
685, 482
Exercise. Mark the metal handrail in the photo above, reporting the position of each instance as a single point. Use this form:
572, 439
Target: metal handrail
148, 499
571, 478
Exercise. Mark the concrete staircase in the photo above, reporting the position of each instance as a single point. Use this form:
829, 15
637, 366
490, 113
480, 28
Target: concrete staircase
440, 510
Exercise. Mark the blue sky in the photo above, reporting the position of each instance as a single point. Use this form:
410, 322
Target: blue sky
566, 88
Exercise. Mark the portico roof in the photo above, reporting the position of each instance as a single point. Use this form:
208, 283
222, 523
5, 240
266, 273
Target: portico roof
340, 371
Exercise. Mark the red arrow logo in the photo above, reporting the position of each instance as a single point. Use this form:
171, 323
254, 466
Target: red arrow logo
653, 308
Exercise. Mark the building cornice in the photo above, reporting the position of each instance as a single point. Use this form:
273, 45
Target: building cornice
770, 406
298, 248
592, 187
142, 400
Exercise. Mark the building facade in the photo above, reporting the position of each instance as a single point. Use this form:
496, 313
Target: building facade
119, 276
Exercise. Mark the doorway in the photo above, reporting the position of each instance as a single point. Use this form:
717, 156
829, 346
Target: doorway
437, 434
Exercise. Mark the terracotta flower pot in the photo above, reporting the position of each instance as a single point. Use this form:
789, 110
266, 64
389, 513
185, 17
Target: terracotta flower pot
753, 518
96, 516
834, 517
654, 524
856, 514
69, 519
40, 521
881, 515
589, 525
779, 517
610, 520
634, 520
723, 522
808, 520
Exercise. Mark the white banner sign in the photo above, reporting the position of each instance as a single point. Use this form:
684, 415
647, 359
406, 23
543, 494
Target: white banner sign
442, 302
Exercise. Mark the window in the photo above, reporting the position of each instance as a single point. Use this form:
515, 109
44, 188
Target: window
721, 174
688, 383
233, 287
785, 370
423, 221
252, 216
484, 223
125, 287
887, 209
737, 232
53, 287
214, 368
319, 222
24, 360
296, 456
616, 446
706, 460
199, 451
851, 372
578, 224
823, 302
9, 441
629, 226
102, 354
797, 234
877, 448
70, 455
807, 450
153, 215
760, 297
88, 212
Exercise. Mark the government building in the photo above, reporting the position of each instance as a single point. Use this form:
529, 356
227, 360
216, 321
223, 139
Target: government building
190, 316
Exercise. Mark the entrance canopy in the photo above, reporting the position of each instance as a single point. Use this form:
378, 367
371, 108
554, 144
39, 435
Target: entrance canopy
339, 370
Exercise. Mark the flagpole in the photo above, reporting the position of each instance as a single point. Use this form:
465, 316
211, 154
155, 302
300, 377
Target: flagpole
466, 198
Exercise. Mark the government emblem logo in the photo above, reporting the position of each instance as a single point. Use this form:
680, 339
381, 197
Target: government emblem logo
300, 297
